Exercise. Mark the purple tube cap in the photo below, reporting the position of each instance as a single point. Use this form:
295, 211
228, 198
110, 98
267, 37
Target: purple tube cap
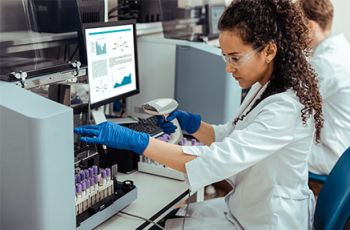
108, 172
88, 184
77, 178
92, 181
95, 169
78, 188
86, 172
103, 173
91, 172
95, 179
83, 184
82, 175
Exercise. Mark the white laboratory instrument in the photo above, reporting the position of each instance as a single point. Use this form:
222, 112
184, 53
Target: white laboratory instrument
37, 167
164, 106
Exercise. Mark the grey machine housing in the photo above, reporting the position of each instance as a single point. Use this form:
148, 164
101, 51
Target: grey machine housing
37, 187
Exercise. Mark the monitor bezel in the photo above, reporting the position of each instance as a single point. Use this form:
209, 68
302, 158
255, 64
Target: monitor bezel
209, 10
108, 24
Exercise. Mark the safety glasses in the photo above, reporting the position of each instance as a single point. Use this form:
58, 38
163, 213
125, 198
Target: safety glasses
237, 61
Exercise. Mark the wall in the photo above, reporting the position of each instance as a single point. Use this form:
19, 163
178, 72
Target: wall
342, 17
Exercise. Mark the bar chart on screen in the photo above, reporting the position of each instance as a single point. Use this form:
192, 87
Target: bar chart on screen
101, 48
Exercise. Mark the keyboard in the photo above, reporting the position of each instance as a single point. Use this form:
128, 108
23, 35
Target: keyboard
148, 125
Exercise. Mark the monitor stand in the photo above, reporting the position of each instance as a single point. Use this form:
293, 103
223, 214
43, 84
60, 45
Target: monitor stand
98, 115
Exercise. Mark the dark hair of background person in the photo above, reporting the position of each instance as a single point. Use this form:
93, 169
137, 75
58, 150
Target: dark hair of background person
320, 11
259, 22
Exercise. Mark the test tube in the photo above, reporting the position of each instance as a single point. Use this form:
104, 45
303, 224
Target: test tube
88, 191
167, 137
91, 171
77, 178
95, 169
87, 174
82, 175
92, 190
78, 191
97, 197
183, 141
194, 141
84, 203
108, 174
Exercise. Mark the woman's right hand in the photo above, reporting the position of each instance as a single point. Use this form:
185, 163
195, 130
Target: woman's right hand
189, 122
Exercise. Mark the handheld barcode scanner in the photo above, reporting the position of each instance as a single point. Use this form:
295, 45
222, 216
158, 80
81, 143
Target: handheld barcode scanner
164, 106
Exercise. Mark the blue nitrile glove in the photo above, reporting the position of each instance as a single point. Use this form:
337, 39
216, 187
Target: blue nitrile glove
114, 136
188, 122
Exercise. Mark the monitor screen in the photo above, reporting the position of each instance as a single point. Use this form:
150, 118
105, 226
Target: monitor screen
214, 13
112, 60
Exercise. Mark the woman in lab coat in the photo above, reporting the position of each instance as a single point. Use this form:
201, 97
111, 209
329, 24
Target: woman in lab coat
263, 150
330, 58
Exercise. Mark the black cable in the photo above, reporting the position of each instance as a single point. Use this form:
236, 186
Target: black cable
112, 16
114, 9
73, 54
59, 53
65, 52
187, 206
142, 218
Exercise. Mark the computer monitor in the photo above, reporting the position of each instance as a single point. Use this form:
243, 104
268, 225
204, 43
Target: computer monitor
213, 13
112, 61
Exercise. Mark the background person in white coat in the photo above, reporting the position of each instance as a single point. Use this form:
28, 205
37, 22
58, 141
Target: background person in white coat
263, 151
331, 60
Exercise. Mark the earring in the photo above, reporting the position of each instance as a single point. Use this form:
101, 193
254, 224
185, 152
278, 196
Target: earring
267, 61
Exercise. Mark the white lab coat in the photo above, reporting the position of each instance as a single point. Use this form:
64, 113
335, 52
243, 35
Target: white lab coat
265, 157
331, 60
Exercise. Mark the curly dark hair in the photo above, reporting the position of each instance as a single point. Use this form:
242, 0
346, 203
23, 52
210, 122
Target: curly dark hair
260, 22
